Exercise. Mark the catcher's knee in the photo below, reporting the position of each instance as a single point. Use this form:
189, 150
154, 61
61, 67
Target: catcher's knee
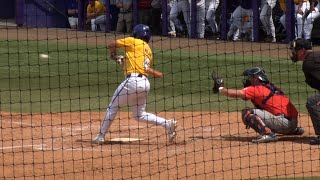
245, 114
253, 121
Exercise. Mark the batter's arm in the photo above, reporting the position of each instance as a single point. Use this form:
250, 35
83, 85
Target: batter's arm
155, 73
113, 50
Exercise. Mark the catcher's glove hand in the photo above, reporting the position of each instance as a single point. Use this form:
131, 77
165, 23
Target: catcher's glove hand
217, 82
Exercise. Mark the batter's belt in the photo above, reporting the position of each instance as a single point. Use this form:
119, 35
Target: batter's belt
134, 75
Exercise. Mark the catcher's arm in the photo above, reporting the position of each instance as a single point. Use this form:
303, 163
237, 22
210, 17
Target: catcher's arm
218, 87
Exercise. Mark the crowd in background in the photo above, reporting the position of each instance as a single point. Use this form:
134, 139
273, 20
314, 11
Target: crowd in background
240, 23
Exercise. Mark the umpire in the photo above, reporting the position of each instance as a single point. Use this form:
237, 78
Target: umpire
301, 50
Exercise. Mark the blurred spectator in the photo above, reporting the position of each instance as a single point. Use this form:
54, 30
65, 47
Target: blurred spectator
201, 15
145, 12
212, 6
301, 9
125, 16
96, 15
73, 13
266, 19
283, 17
242, 19
313, 14
156, 17
171, 27
184, 7
114, 12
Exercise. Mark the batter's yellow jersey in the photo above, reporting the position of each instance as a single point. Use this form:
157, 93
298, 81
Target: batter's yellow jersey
97, 6
139, 56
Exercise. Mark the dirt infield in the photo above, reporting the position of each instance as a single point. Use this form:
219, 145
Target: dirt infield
210, 145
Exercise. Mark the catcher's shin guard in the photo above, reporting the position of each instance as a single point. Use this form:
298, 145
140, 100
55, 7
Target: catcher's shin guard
254, 121
245, 113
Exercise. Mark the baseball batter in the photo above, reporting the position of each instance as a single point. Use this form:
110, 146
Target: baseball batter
273, 111
211, 14
266, 19
133, 91
314, 14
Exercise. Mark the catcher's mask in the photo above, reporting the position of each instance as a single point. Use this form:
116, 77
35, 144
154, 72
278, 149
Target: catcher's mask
254, 72
296, 45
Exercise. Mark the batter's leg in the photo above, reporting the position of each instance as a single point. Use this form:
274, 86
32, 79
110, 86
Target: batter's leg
119, 99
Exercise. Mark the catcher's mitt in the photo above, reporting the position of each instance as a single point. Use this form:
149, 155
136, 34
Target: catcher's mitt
217, 82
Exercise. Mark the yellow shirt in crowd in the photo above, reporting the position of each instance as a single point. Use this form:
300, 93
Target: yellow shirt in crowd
139, 56
98, 7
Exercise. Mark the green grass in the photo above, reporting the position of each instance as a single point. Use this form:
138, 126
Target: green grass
80, 78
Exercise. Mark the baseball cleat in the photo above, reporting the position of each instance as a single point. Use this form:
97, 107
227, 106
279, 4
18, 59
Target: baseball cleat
266, 138
315, 141
298, 131
171, 130
99, 139
172, 34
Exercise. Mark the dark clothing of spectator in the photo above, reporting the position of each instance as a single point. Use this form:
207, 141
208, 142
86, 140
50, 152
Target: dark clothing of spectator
145, 11
156, 17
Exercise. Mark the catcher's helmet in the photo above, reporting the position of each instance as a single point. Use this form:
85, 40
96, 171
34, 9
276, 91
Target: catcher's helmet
254, 72
142, 32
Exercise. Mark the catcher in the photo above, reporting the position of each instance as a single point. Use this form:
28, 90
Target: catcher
273, 111
301, 50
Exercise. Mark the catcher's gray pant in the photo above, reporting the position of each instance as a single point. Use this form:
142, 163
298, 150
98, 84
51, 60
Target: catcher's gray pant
277, 124
313, 107
266, 17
